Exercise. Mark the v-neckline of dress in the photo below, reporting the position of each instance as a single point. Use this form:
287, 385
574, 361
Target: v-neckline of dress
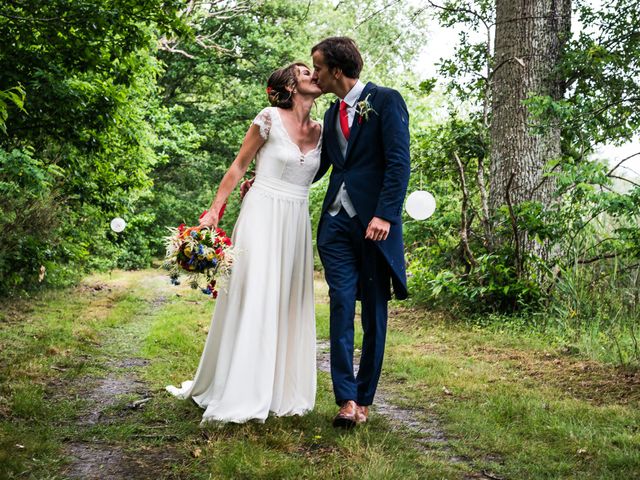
288, 137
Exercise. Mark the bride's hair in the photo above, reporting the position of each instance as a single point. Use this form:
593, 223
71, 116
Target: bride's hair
279, 95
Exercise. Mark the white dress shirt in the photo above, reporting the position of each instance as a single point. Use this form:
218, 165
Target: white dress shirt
342, 197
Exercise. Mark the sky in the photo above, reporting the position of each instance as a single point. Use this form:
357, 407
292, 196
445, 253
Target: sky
441, 42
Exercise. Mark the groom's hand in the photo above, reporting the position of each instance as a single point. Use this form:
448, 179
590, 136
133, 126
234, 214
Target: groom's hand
377, 230
244, 188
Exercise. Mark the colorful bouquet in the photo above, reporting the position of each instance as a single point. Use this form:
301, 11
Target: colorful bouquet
200, 252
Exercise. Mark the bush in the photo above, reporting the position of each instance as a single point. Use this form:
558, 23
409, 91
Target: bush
30, 218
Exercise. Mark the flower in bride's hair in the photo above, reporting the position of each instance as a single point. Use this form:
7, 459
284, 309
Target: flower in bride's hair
269, 90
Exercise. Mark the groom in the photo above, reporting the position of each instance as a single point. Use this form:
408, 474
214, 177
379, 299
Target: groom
366, 141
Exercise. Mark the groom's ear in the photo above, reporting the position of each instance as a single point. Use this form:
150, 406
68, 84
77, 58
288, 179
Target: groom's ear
337, 73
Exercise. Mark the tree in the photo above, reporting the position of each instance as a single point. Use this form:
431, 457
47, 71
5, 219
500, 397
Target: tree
83, 150
545, 99
529, 42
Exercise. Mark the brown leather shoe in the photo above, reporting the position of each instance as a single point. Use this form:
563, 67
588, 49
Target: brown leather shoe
346, 417
362, 414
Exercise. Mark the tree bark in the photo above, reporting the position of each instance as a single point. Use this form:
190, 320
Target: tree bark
529, 41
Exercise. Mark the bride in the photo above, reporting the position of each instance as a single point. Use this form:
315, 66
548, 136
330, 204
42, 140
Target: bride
259, 356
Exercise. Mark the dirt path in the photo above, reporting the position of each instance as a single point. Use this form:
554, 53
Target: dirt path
111, 399
428, 434
423, 426
117, 394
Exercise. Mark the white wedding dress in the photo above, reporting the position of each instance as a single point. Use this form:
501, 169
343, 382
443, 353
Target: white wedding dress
260, 353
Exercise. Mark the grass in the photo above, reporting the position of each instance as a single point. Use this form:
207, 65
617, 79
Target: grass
510, 404
516, 404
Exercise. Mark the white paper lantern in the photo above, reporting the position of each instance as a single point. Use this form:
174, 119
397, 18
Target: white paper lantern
118, 224
420, 205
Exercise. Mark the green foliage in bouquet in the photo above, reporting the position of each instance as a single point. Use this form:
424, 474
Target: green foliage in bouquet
199, 252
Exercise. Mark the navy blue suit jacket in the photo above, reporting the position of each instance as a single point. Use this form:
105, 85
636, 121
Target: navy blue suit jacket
375, 169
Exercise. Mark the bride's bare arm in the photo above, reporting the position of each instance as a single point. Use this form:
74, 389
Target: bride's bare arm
250, 146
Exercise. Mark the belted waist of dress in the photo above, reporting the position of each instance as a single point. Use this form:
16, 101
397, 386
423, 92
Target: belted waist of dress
281, 188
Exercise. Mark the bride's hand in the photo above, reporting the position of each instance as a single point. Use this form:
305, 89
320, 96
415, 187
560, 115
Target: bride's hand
209, 219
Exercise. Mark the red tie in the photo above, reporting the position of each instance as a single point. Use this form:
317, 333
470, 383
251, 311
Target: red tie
344, 120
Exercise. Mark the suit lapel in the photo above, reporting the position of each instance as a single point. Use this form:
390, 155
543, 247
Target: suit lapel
330, 127
356, 126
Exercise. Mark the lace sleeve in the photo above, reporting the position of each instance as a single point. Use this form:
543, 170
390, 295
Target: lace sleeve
263, 120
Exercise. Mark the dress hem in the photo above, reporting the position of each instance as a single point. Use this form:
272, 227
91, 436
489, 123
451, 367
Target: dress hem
216, 419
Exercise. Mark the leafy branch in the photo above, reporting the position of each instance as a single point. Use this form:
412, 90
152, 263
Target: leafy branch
194, 15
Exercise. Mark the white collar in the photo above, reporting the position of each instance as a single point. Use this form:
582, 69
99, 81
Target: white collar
354, 94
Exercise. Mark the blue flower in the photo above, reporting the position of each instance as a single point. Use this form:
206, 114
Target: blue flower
206, 291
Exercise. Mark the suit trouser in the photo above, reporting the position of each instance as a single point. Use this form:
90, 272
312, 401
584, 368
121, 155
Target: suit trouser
354, 265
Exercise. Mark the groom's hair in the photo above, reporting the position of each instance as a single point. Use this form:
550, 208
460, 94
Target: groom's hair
342, 53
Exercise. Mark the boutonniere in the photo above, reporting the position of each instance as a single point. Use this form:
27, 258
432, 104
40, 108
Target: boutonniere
363, 109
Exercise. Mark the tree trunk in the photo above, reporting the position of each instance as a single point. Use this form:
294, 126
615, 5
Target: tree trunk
528, 46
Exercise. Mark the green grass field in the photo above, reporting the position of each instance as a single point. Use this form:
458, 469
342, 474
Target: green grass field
74, 363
